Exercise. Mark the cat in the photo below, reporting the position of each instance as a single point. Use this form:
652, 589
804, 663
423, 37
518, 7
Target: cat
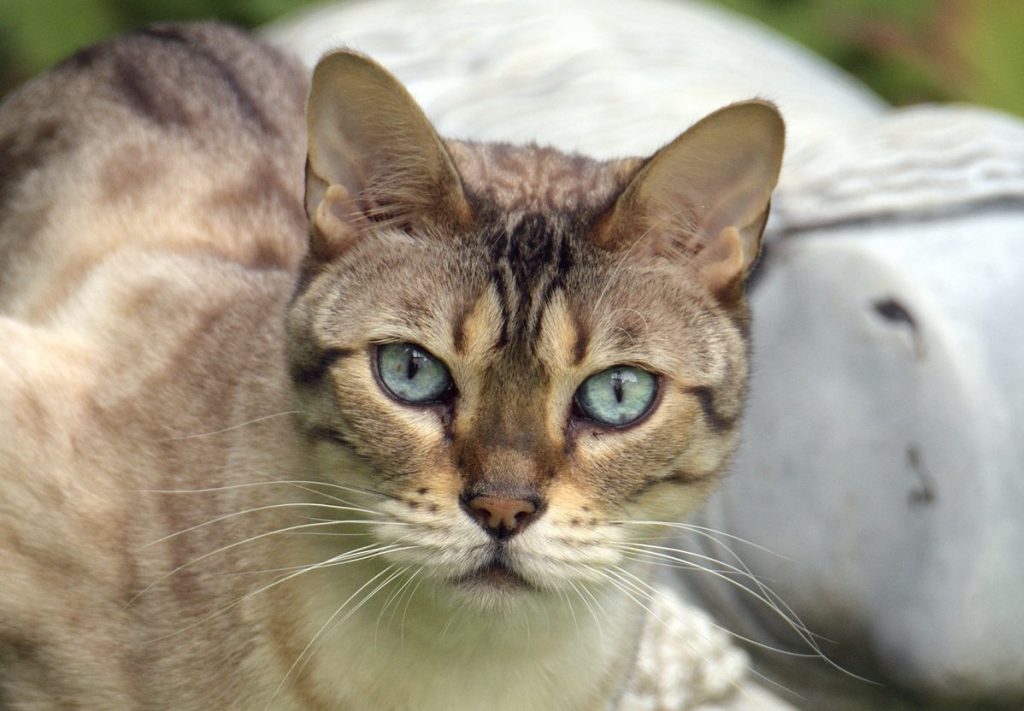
397, 439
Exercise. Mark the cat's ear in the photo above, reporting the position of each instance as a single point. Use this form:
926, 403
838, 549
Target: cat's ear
704, 197
373, 155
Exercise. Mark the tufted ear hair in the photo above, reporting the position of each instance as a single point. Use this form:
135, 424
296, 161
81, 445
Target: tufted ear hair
704, 197
373, 156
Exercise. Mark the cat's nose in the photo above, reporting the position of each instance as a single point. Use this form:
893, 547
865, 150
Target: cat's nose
502, 516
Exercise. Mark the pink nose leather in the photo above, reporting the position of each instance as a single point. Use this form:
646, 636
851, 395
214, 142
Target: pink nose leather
499, 516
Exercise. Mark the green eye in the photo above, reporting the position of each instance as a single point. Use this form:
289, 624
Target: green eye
617, 396
411, 374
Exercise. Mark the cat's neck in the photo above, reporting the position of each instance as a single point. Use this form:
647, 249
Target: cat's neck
417, 647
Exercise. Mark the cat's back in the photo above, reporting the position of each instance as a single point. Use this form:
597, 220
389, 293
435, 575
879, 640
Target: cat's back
150, 222
178, 137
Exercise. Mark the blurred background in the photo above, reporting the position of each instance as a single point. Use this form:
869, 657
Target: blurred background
909, 51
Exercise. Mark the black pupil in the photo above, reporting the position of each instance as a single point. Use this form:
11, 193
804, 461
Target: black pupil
414, 363
617, 386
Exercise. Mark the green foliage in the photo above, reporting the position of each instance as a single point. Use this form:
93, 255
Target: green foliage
34, 34
906, 50
911, 51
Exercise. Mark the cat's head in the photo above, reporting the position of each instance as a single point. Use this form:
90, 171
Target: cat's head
522, 352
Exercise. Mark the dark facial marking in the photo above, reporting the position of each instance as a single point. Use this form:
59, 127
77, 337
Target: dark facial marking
528, 249
579, 349
716, 421
536, 254
683, 478
459, 331
557, 281
328, 434
497, 277
312, 373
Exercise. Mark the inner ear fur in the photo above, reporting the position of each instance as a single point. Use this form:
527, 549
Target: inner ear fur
373, 156
704, 197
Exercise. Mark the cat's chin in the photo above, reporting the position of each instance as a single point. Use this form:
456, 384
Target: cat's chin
493, 585
495, 575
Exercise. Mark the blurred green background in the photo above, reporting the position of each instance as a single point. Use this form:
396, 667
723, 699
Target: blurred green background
907, 50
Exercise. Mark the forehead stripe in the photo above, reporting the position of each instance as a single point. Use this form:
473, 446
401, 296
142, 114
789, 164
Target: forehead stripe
531, 256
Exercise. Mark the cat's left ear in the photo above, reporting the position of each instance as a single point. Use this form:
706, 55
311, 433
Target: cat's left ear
373, 156
704, 197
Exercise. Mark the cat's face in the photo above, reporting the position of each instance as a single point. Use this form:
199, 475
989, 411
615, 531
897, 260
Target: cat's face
522, 353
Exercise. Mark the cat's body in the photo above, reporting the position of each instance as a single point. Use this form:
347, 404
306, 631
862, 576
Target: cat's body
155, 344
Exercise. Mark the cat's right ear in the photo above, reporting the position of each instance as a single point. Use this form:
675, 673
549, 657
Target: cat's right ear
704, 197
373, 157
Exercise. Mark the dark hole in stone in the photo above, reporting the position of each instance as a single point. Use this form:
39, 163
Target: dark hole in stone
892, 310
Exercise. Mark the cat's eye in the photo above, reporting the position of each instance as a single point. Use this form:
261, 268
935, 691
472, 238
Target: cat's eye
412, 374
618, 396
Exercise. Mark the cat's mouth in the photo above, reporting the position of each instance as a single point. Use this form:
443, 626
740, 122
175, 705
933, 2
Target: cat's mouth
495, 574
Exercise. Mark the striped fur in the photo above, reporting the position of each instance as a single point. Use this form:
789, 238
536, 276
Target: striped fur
174, 355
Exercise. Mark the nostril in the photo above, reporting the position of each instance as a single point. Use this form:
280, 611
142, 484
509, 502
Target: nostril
501, 516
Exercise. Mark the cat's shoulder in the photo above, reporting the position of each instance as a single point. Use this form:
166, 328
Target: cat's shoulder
188, 137
181, 77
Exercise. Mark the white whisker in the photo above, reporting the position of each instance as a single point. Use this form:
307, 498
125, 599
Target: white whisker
354, 556
222, 549
791, 620
302, 484
405, 610
735, 635
397, 597
231, 428
302, 655
705, 531
270, 507
767, 596
660, 558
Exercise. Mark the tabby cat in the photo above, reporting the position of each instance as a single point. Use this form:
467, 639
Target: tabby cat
400, 442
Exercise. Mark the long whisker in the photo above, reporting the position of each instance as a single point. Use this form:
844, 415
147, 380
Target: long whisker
302, 655
394, 597
354, 556
736, 635
652, 596
628, 588
793, 622
222, 549
271, 507
564, 596
593, 605
675, 552
711, 534
660, 558
705, 531
302, 484
230, 428
767, 596
405, 610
